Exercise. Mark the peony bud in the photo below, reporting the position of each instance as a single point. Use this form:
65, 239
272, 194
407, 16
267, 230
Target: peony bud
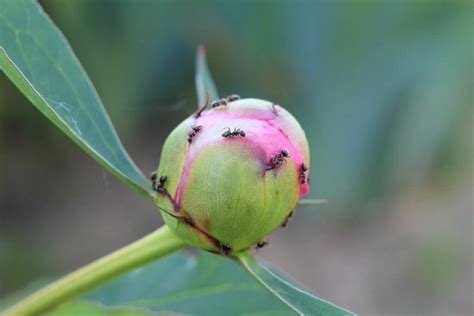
230, 175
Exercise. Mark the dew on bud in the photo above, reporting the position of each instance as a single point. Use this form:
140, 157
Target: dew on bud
232, 173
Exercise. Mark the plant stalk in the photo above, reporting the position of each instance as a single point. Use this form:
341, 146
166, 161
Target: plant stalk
155, 245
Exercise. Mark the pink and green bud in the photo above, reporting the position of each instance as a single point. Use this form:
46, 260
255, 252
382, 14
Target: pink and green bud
230, 175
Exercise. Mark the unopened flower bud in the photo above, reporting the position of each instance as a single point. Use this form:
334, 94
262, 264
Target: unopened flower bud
230, 175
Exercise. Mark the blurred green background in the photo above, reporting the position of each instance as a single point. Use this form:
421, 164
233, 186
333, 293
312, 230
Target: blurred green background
384, 90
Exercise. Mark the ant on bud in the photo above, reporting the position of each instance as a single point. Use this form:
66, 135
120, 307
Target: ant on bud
232, 97
153, 180
235, 132
226, 249
302, 175
162, 181
195, 130
155, 186
278, 159
224, 101
219, 102
158, 187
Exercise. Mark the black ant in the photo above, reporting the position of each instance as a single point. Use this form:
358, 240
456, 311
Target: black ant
278, 159
153, 180
235, 132
302, 176
162, 182
226, 249
195, 130
219, 102
287, 219
158, 187
232, 97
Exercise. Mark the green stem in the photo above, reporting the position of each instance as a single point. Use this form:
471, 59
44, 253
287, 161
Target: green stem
155, 245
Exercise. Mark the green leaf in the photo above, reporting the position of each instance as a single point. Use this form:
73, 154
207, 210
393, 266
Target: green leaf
198, 284
203, 78
39, 61
300, 301
201, 284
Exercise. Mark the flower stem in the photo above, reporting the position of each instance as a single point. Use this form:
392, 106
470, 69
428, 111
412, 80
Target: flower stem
155, 245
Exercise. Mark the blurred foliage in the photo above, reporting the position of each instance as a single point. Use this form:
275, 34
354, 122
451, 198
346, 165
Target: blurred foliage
16, 251
381, 87
436, 264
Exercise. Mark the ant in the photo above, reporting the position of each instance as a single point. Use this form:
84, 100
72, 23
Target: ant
278, 159
232, 97
235, 132
224, 101
219, 102
195, 130
226, 249
153, 180
160, 186
162, 183
302, 176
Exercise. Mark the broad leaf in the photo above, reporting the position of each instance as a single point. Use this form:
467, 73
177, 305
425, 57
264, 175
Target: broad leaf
201, 284
300, 301
39, 61
204, 83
